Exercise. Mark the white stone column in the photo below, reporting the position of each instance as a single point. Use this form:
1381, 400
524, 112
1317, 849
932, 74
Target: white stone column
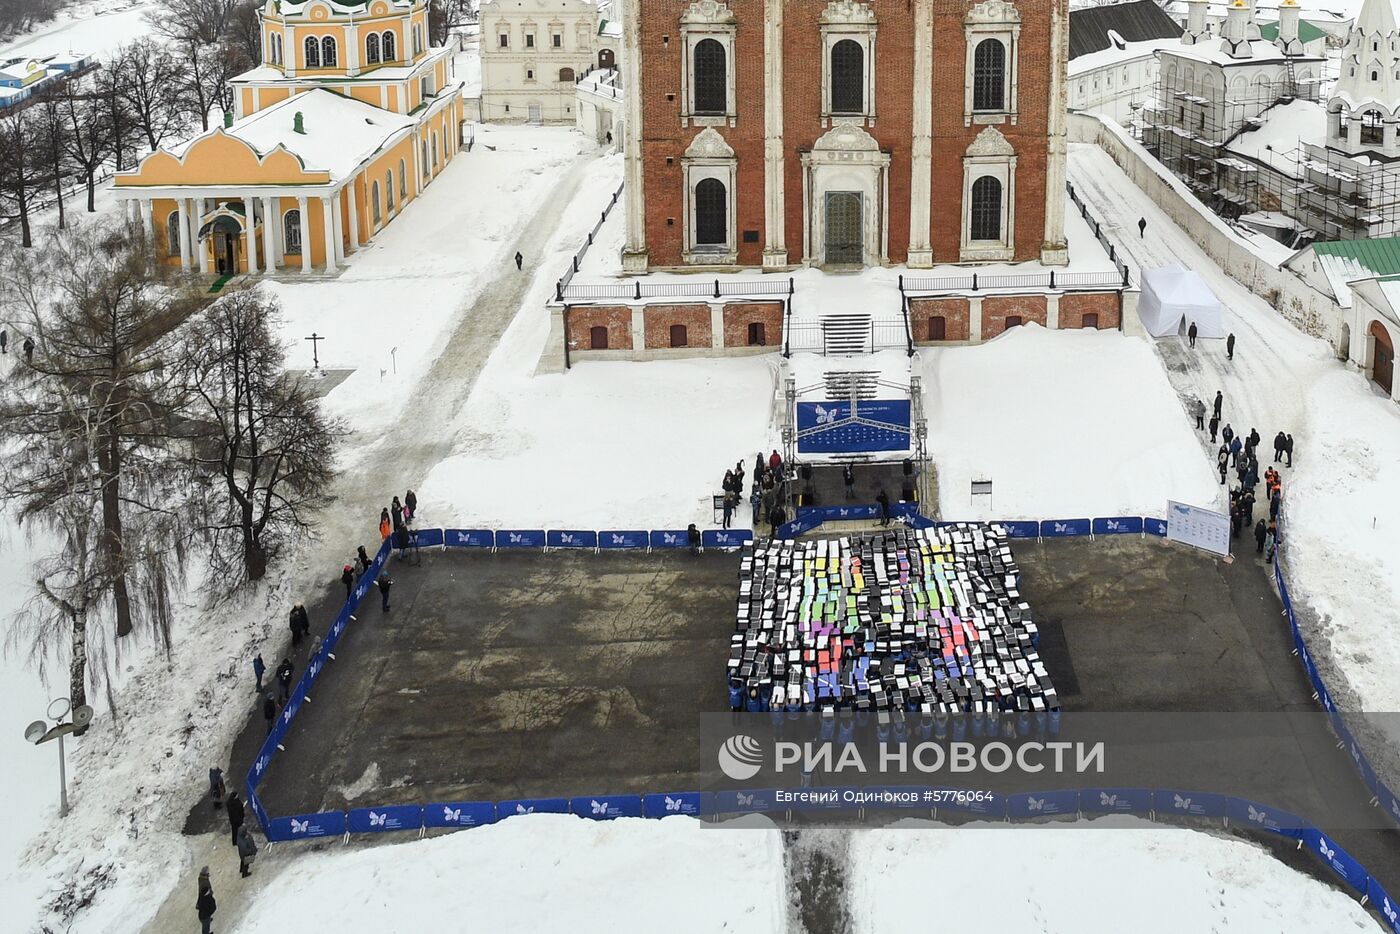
305, 234
354, 218
199, 247
717, 327
634, 253
148, 216
1054, 251
639, 328
250, 239
183, 207
338, 216
328, 227
270, 225
1052, 312
774, 213
974, 319
921, 180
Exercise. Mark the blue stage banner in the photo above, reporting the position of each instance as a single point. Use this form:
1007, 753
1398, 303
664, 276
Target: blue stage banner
306, 826
1044, 804
1381, 899
606, 807
1063, 528
627, 539
920, 521
555, 538
1157, 527
256, 805
831, 427
1259, 817
1389, 801
1191, 804
1118, 525
839, 513
667, 538
726, 538
1336, 859
670, 804
518, 806
1017, 528
1115, 801
471, 538
745, 802
520, 538
992, 806
427, 538
799, 526
381, 820
459, 814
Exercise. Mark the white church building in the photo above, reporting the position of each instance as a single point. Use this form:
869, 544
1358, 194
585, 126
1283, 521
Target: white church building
535, 52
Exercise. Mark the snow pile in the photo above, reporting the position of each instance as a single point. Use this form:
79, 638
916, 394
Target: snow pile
1066, 424
545, 872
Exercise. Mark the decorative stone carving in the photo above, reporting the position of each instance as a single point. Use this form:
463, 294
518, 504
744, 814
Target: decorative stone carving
847, 137
990, 142
994, 11
848, 13
708, 13
708, 144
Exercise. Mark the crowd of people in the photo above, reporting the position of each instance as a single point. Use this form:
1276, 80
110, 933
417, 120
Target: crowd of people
765, 491
1240, 454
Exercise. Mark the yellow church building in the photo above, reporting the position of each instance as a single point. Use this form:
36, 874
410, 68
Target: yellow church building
349, 118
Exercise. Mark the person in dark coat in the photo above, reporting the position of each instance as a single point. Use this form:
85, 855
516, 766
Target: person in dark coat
284, 680
259, 669
4, 340
295, 625
347, 577
756, 504
362, 559
736, 695
1230, 346
1227, 433
1279, 442
1288, 448
384, 585
235, 816
1275, 503
1222, 462
519, 260
1198, 409
216, 786
777, 516
727, 485
29, 350
396, 510
269, 710
205, 904
883, 499
692, 538
730, 500
1235, 447
247, 851
1219, 401
410, 505
848, 476
303, 621
1261, 530
1253, 439
1247, 504
1191, 333
1142, 228
739, 476
1214, 427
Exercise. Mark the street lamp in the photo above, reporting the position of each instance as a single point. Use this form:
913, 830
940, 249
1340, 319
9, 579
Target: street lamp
40, 732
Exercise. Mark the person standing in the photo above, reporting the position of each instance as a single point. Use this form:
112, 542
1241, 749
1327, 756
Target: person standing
347, 577
519, 260
269, 711
1191, 333
1222, 462
303, 621
284, 681
1142, 228
259, 669
1219, 401
1278, 447
1227, 434
883, 499
848, 476
384, 585
29, 350
728, 509
1214, 426
235, 817
295, 626
756, 504
1275, 504
361, 559
4, 340
1261, 532
692, 538
205, 904
1198, 409
1270, 542
396, 510
1288, 448
216, 786
410, 505
1230, 346
385, 527
247, 851
1235, 448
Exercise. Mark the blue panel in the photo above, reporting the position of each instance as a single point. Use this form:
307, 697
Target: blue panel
556, 538
627, 539
1115, 801
426, 538
1259, 817
606, 807
471, 538
1190, 803
799, 526
381, 820
459, 814
518, 806
995, 806
840, 513
1157, 527
668, 538
726, 538
520, 538
1381, 899
673, 803
920, 521
1021, 529
1389, 801
1118, 525
1063, 528
880, 425
306, 826
1043, 804
1336, 859
748, 801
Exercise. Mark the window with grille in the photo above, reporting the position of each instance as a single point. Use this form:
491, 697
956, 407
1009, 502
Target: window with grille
847, 77
986, 209
313, 52
989, 76
328, 52
372, 49
1372, 127
390, 53
172, 234
711, 213
711, 85
291, 232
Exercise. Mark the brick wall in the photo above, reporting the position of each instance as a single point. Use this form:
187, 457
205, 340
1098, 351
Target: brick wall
739, 315
953, 310
581, 321
996, 309
1075, 305
660, 318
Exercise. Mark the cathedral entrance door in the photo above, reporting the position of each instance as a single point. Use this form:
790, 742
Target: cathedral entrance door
845, 238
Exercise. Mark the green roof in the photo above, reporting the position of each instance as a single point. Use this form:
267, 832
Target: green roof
1307, 32
1378, 254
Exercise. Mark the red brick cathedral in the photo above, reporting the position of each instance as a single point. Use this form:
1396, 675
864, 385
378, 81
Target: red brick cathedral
844, 133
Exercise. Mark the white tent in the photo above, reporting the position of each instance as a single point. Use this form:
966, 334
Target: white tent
1174, 298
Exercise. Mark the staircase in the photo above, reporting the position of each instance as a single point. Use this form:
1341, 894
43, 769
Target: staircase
843, 384
847, 334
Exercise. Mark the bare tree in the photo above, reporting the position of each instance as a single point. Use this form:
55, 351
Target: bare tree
203, 22
52, 139
22, 172
244, 34
264, 446
202, 84
121, 125
89, 137
446, 17
151, 78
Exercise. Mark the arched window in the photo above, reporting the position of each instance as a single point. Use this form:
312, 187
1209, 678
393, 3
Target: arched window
172, 234
1372, 128
328, 52
757, 337
711, 213
598, 338
986, 208
390, 53
291, 232
425, 158
374, 202
989, 76
276, 50
389, 188
679, 338
566, 74
403, 181
711, 82
937, 328
435, 150
313, 52
847, 77
372, 49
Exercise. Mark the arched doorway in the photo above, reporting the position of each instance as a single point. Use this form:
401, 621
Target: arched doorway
1383, 357
606, 58
222, 234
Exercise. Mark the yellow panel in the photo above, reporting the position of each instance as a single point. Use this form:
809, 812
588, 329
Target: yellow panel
220, 159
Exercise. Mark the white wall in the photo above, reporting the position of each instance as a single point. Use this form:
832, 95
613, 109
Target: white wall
508, 92
1112, 89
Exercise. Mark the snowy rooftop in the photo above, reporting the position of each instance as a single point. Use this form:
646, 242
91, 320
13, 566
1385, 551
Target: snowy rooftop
1211, 51
1283, 130
1118, 54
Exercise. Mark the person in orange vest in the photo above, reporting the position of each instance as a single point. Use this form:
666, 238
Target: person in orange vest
385, 526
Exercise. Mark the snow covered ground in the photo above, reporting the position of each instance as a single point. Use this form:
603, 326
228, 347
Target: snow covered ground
1102, 434
91, 28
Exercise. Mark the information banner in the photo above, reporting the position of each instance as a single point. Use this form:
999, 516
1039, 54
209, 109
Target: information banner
1157, 527
672, 803
669, 538
1021, 528
1063, 528
380, 820
726, 538
1190, 804
1115, 801
471, 538
519, 806
624, 539
1043, 804
1118, 525
459, 814
1259, 817
564, 539
520, 538
1198, 527
606, 807
306, 826
833, 428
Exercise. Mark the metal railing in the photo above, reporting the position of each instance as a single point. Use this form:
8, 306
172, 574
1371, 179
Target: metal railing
816, 337
767, 287
563, 283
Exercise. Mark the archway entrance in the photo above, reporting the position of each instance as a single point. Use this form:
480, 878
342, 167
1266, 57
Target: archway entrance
606, 58
1383, 359
223, 234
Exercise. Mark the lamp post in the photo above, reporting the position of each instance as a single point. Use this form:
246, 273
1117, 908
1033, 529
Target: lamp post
40, 732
